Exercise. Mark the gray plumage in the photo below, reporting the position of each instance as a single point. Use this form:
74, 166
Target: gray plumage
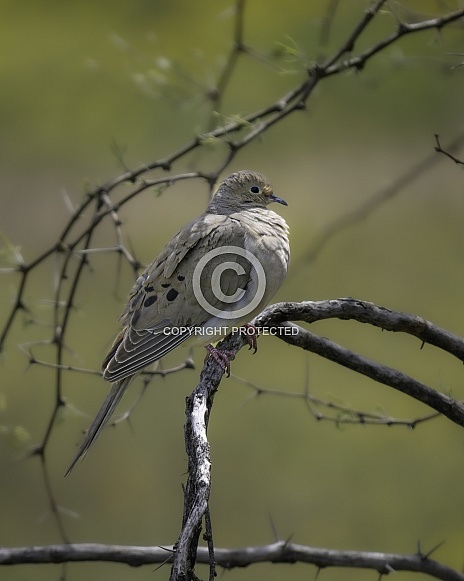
165, 296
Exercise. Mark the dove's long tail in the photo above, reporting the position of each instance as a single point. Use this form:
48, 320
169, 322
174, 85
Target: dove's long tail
112, 399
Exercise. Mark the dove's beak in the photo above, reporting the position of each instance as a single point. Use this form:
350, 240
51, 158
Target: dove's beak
278, 200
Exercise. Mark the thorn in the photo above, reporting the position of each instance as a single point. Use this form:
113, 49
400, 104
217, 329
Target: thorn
68, 203
274, 529
37, 450
288, 540
435, 548
419, 549
21, 306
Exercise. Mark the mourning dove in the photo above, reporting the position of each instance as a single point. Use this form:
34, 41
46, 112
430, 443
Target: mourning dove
218, 272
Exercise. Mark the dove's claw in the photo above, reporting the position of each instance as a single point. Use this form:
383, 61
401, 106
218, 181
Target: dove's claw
251, 333
221, 356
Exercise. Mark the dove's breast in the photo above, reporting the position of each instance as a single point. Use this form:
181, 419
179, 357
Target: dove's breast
266, 238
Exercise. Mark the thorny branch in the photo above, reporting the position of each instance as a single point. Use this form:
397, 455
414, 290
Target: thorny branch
74, 249
278, 552
363, 312
279, 317
336, 412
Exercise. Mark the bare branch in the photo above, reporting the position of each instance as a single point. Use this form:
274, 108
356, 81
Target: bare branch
344, 414
365, 312
278, 552
349, 44
75, 248
403, 29
276, 317
197, 490
361, 311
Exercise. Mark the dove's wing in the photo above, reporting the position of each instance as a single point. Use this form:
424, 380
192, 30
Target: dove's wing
201, 280
163, 308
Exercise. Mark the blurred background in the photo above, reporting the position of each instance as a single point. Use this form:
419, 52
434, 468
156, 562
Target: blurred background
89, 89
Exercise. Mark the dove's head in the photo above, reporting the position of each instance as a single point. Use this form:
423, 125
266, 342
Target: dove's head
243, 190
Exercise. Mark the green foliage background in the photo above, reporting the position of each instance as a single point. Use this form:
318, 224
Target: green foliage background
88, 88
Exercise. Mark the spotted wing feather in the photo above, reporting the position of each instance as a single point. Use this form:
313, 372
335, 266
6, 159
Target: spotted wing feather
162, 299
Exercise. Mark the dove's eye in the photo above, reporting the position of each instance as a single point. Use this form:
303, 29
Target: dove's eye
254, 190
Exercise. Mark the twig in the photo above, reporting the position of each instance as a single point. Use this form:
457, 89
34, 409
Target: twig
439, 149
344, 414
397, 185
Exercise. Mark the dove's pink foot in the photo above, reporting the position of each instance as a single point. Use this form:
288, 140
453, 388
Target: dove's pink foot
251, 334
221, 356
